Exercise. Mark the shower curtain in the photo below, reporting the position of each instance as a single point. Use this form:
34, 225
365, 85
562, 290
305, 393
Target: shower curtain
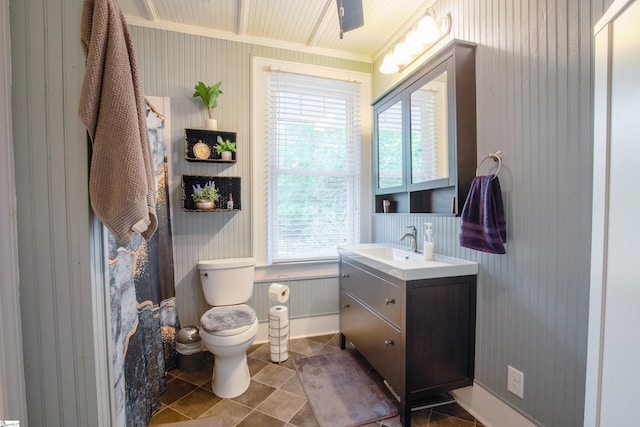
143, 314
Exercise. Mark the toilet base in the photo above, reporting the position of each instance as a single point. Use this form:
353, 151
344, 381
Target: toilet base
231, 376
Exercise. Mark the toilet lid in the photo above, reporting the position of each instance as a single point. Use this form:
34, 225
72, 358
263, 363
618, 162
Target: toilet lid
228, 320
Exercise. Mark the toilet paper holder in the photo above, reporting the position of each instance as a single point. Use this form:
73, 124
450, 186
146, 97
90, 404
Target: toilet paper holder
279, 327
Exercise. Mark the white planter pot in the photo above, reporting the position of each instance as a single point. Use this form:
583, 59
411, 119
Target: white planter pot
205, 204
210, 124
226, 155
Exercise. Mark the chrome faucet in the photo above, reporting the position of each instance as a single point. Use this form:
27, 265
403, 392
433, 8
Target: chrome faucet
412, 235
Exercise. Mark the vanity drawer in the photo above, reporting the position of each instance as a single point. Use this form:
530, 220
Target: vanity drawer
382, 296
378, 341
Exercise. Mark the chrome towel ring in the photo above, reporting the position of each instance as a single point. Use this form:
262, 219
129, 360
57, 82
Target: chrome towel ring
496, 156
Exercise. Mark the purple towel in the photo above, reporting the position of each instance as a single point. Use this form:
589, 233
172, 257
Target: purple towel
483, 226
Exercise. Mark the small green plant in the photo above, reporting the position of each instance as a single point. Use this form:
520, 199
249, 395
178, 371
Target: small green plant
209, 192
209, 95
225, 145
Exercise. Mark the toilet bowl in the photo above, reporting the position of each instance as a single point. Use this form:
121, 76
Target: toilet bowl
229, 328
231, 375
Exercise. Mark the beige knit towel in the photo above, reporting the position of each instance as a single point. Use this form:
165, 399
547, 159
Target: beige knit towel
121, 178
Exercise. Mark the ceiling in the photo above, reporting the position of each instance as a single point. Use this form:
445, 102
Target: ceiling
308, 25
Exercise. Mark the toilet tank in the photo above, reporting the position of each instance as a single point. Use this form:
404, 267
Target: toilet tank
227, 281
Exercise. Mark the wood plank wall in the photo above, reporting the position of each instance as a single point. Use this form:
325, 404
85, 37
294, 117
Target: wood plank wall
54, 227
171, 64
534, 97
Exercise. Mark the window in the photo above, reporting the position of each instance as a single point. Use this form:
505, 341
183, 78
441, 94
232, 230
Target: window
308, 165
314, 165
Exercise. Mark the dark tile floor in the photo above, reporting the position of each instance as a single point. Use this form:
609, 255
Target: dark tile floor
275, 396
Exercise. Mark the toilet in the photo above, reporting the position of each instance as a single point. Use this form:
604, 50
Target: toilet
230, 326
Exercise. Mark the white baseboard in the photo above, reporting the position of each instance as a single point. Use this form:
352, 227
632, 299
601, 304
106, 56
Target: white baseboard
487, 408
304, 327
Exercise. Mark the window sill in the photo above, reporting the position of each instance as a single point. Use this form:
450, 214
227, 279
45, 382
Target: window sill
296, 270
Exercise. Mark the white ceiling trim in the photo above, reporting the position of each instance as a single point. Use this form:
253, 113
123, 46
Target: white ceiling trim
151, 10
224, 35
241, 17
314, 32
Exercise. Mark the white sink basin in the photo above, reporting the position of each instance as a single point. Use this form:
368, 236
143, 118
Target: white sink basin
388, 252
406, 265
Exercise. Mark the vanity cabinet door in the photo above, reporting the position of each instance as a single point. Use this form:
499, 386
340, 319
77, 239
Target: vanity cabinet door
382, 296
375, 339
441, 333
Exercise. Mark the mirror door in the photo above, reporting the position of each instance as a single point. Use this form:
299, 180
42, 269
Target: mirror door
429, 133
390, 172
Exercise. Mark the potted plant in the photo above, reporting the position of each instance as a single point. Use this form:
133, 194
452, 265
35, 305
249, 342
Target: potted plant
209, 96
224, 148
206, 197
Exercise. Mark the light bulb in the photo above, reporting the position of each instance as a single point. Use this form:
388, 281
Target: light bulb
402, 54
389, 65
428, 29
414, 42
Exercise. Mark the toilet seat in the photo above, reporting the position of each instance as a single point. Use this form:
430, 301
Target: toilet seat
228, 320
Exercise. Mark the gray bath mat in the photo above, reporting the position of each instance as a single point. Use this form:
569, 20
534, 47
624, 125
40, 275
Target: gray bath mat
340, 392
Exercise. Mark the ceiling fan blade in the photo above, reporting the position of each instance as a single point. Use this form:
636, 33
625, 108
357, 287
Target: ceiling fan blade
350, 15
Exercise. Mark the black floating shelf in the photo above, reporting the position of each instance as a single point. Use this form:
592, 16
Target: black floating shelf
226, 185
209, 137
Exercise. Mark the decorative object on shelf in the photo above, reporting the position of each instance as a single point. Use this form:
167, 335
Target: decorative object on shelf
205, 197
226, 187
209, 96
225, 148
200, 145
201, 150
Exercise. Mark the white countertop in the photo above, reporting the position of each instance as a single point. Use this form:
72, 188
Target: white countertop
399, 262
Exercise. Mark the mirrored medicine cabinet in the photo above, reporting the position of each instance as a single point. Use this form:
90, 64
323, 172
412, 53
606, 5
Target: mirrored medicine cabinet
425, 136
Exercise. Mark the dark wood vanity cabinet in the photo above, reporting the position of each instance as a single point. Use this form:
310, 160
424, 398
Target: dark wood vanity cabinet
419, 335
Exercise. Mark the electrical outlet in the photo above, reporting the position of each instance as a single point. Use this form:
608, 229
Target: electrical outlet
515, 381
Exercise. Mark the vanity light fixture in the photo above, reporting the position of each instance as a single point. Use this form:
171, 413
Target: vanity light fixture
423, 35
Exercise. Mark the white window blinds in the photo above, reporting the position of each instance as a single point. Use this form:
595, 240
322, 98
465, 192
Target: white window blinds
313, 166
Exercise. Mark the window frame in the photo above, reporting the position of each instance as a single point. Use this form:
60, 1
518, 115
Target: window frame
261, 68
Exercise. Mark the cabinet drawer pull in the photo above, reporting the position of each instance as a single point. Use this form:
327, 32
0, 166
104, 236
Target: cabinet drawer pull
389, 301
345, 275
388, 343
346, 306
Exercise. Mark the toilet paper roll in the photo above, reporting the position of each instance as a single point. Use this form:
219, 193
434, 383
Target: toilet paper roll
279, 357
279, 313
276, 324
279, 292
282, 341
278, 331
279, 348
